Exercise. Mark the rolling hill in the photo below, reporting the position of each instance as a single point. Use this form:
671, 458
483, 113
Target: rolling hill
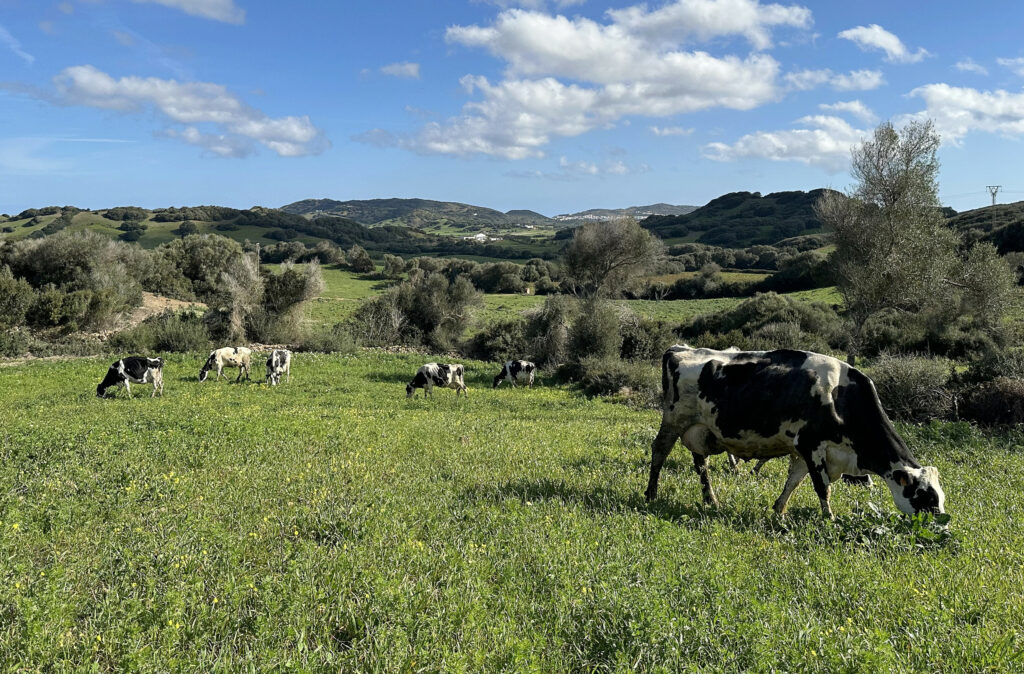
742, 219
1002, 224
417, 214
638, 212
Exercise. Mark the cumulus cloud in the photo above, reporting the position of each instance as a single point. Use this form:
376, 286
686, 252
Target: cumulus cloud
531, 4
1016, 65
968, 65
405, 69
670, 130
569, 170
567, 76
960, 110
233, 127
218, 10
825, 142
877, 38
14, 45
855, 80
855, 108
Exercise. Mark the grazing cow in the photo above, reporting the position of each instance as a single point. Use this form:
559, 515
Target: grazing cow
516, 371
280, 362
819, 411
444, 376
134, 370
229, 356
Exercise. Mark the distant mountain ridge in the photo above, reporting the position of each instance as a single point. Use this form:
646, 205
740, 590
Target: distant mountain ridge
638, 212
1002, 224
416, 213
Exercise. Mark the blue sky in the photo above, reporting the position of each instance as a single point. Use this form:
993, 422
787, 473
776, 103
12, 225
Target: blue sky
551, 105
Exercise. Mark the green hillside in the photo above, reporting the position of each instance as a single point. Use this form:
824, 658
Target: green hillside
742, 219
415, 213
1002, 224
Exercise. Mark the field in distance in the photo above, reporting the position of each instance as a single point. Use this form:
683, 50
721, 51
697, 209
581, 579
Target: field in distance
331, 523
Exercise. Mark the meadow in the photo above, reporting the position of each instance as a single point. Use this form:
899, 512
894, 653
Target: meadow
332, 524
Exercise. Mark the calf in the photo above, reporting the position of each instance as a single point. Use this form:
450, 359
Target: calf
229, 356
819, 411
444, 376
280, 362
516, 371
134, 370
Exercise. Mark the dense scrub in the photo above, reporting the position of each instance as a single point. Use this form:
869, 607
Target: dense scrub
325, 524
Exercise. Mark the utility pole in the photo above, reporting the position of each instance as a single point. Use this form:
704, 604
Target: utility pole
994, 190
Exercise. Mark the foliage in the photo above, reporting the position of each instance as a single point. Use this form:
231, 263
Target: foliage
596, 330
328, 339
913, 388
127, 213
636, 380
167, 333
604, 257
996, 402
359, 260
547, 329
500, 341
16, 296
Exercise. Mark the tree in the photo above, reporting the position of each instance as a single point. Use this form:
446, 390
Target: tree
360, 260
893, 249
604, 256
186, 228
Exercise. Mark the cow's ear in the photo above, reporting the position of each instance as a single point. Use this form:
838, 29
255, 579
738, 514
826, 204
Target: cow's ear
901, 477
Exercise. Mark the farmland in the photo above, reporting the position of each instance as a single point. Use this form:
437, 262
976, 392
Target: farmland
331, 523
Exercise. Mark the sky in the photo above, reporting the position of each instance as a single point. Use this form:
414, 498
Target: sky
550, 105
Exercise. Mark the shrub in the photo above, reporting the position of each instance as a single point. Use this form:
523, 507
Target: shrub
500, 341
1000, 401
16, 296
614, 376
596, 331
913, 388
547, 329
995, 364
644, 339
53, 307
335, 339
166, 333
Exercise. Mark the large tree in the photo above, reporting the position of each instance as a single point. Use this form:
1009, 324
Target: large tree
894, 250
604, 257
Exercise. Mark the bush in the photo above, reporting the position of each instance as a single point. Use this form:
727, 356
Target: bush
1000, 401
596, 331
167, 333
913, 388
995, 364
635, 380
336, 339
500, 342
16, 296
643, 338
547, 329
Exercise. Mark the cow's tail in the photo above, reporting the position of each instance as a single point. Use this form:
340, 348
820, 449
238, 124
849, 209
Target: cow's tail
667, 381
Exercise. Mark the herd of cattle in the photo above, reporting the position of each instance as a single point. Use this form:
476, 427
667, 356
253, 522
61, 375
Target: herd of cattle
823, 414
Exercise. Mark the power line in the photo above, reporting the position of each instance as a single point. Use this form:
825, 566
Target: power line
993, 190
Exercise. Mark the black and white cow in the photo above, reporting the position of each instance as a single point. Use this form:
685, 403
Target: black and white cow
280, 362
819, 411
229, 356
134, 370
444, 376
517, 372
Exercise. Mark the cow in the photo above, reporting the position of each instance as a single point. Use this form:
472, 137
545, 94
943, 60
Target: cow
516, 371
445, 376
229, 356
280, 362
134, 370
822, 413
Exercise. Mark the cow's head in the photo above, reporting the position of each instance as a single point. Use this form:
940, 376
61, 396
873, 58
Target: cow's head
917, 490
101, 391
498, 378
409, 390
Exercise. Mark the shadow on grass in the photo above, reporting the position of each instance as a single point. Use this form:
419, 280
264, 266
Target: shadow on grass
802, 527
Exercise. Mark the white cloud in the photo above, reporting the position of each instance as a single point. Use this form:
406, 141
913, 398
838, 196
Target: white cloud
876, 37
531, 4
218, 10
960, 110
704, 20
670, 130
855, 80
1016, 65
855, 108
858, 80
968, 65
616, 70
825, 142
237, 126
576, 170
12, 43
406, 69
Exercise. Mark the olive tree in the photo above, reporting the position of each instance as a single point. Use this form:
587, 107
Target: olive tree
604, 257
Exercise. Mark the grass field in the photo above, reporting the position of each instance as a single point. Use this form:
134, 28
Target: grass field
330, 524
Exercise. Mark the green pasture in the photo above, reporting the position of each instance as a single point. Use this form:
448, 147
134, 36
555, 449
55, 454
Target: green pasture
330, 524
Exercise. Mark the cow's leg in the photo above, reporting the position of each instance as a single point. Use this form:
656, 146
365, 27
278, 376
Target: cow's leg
820, 479
759, 465
733, 463
660, 449
128, 387
797, 473
701, 443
